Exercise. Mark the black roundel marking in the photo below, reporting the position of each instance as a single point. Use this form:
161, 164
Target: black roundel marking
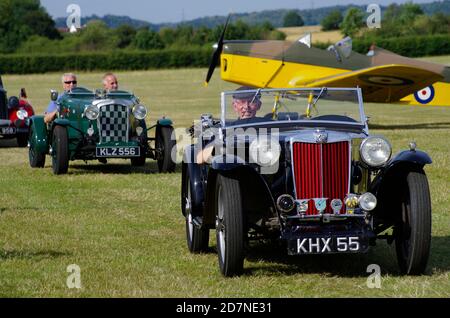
385, 80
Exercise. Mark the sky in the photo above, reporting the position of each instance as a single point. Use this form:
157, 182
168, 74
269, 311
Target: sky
182, 10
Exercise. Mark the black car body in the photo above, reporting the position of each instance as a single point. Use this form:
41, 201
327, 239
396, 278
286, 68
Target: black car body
308, 173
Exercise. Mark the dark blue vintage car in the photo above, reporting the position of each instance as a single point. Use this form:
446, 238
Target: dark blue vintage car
302, 168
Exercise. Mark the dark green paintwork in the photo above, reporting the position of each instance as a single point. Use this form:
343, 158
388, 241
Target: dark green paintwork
72, 106
165, 122
38, 139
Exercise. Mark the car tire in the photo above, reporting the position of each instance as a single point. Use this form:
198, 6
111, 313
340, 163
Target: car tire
36, 159
413, 231
197, 238
22, 140
229, 226
60, 150
164, 146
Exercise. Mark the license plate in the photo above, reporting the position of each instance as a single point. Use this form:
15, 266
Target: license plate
8, 130
111, 152
328, 245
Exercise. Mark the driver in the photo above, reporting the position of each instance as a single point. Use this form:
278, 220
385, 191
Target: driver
246, 105
69, 81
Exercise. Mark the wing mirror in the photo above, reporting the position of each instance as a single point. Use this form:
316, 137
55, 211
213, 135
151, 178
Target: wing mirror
53, 95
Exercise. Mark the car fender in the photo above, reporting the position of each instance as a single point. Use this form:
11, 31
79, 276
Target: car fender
416, 157
195, 174
61, 122
197, 190
227, 162
40, 133
165, 122
236, 171
399, 165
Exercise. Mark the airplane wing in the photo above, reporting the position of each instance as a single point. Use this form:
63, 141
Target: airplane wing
382, 84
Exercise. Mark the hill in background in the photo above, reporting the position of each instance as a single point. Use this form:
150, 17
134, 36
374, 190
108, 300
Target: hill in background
275, 17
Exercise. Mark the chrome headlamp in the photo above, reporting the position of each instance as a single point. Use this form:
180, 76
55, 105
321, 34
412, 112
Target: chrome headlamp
367, 201
265, 151
91, 112
22, 114
140, 112
375, 151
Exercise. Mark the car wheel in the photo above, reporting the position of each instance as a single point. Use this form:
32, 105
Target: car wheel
36, 159
197, 238
22, 140
229, 226
60, 150
165, 146
413, 231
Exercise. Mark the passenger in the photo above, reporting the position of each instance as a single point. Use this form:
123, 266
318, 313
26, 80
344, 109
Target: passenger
110, 82
69, 81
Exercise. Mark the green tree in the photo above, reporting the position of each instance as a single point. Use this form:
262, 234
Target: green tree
239, 31
292, 19
409, 12
97, 36
125, 34
439, 23
20, 19
168, 36
332, 21
184, 34
353, 22
202, 36
406, 20
392, 12
146, 39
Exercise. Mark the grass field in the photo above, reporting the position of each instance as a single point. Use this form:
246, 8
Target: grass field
294, 33
444, 59
123, 227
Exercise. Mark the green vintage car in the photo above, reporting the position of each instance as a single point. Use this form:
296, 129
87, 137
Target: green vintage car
98, 125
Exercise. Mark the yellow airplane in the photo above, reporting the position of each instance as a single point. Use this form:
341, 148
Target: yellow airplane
383, 76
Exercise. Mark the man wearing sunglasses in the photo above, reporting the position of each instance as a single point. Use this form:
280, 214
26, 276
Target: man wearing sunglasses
69, 81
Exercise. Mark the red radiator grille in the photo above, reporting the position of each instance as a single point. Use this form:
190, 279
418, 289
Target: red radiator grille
321, 171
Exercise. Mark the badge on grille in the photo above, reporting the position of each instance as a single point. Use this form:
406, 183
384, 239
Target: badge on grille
321, 137
336, 205
302, 206
320, 204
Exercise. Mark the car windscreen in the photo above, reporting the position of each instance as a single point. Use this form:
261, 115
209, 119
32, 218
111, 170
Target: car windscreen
246, 107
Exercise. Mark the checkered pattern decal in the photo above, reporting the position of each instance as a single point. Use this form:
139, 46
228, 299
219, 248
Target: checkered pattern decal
113, 123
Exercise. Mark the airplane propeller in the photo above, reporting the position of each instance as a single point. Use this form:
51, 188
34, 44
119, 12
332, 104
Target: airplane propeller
217, 52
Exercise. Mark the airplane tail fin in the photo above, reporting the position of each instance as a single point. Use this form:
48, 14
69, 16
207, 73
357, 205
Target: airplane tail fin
437, 94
